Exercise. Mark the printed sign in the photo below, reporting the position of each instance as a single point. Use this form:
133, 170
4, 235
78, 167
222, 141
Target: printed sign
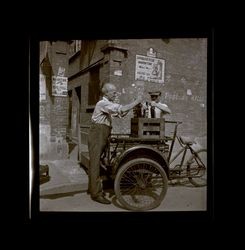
118, 72
151, 52
59, 86
42, 87
149, 69
61, 71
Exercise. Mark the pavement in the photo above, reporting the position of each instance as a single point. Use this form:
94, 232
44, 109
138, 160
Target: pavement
66, 190
66, 175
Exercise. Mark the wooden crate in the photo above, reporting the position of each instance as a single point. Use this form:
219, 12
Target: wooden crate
148, 128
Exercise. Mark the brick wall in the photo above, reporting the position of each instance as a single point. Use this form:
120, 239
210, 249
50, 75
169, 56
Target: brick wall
185, 79
53, 109
184, 90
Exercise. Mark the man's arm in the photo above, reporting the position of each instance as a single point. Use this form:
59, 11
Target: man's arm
122, 114
128, 107
161, 106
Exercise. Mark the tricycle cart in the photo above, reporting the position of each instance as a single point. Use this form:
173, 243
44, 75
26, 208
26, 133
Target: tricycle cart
138, 164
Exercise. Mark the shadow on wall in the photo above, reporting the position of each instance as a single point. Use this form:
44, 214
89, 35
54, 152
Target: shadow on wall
47, 70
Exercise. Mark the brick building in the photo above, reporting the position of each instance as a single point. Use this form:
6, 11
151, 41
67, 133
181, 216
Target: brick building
53, 103
183, 81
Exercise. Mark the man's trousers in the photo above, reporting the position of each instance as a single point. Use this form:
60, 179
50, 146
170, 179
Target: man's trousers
97, 141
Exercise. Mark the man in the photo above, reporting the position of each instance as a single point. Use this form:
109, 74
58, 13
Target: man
156, 108
98, 134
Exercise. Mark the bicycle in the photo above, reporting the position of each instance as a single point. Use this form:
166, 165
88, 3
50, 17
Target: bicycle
195, 168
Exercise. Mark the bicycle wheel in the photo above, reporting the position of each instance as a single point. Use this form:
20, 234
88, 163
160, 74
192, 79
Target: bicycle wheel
197, 168
140, 184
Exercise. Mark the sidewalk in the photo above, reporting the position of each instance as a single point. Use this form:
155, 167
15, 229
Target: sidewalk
65, 176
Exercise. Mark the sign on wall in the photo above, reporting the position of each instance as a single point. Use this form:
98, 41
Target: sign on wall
61, 71
42, 87
149, 69
59, 86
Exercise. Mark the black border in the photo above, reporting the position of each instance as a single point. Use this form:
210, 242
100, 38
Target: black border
116, 217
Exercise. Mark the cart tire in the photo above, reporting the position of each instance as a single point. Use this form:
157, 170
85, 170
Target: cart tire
140, 184
197, 170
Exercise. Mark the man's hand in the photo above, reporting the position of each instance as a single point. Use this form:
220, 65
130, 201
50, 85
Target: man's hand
126, 108
139, 98
144, 105
153, 104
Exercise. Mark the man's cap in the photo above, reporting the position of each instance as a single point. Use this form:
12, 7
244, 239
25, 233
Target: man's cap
154, 93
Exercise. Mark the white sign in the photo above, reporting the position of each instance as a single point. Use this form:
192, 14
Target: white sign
149, 69
118, 72
151, 52
59, 86
42, 87
61, 71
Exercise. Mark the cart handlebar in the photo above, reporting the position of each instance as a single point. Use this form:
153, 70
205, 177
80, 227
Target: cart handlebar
177, 122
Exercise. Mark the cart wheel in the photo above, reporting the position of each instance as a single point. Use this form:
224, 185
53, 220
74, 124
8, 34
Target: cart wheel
197, 168
140, 184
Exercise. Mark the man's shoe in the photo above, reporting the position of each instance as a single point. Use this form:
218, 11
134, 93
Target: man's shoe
101, 199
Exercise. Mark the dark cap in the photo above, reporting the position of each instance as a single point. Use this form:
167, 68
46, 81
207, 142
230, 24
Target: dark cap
154, 93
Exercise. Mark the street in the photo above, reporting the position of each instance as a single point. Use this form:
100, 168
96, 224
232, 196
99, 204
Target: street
179, 197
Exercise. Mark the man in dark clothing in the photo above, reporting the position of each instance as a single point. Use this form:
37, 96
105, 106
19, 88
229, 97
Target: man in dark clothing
156, 108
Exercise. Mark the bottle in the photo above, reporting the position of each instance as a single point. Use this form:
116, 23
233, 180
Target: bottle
137, 111
142, 111
147, 110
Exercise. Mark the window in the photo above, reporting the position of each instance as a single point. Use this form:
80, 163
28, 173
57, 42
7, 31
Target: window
75, 46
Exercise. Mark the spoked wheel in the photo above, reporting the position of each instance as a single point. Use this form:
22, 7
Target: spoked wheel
197, 168
140, 184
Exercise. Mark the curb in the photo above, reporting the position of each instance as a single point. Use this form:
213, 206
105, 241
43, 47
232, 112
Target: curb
65, 177
64, 188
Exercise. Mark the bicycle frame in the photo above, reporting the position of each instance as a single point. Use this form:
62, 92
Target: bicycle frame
177, 123
183, 150
176, 172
